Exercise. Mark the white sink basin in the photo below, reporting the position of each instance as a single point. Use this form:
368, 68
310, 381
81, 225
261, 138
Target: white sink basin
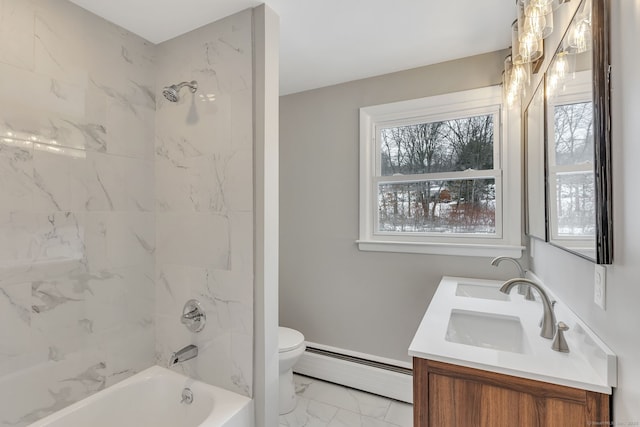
481, 291
487, 330
470, 323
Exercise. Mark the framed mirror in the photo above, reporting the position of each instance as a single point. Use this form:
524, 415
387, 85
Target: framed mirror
578, 160
535, 167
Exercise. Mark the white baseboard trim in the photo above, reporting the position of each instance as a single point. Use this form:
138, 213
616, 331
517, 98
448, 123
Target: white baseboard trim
371, 379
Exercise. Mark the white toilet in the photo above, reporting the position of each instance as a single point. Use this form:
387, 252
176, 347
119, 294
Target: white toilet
291, 347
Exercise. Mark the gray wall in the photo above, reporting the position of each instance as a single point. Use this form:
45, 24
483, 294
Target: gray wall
329, 290
572, 277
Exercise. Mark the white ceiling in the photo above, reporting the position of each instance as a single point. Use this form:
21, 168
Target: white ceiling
324, 42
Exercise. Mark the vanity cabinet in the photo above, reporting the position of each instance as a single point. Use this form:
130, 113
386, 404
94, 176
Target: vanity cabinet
447, 395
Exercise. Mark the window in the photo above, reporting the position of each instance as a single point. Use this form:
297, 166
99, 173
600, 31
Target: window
431, 176
571, 175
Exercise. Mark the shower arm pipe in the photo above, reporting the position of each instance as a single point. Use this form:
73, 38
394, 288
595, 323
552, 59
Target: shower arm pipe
192, 85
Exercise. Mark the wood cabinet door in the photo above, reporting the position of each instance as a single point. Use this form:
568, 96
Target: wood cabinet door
448, 395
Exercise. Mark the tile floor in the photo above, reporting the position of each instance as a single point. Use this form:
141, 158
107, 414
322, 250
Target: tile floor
323, 404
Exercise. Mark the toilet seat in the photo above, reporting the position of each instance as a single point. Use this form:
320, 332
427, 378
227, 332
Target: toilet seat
289, 339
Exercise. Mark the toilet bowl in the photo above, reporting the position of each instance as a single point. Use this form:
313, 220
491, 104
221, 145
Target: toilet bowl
290, 346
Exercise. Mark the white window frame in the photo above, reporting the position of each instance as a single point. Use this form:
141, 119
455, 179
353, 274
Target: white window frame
507, 239
578, 90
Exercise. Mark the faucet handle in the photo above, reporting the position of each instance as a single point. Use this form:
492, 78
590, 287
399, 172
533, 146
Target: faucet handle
193, 316
559, 341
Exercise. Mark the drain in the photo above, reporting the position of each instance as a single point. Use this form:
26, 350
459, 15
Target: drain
187, 396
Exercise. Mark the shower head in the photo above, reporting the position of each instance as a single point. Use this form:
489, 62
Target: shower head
172, 93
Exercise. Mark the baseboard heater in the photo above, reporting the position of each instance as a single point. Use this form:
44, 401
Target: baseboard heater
358, 371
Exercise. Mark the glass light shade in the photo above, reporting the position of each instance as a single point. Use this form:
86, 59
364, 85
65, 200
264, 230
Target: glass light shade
510, 96
547, 4
544, 5
516, 58
515, 80
510, 86
530, 47
529, 37
537, 19
508, 67
520, 75
555, 77
579, 36
560, 67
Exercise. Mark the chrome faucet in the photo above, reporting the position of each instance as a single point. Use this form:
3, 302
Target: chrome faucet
548, 318
193, 316
499, 259
182, 355
523, 289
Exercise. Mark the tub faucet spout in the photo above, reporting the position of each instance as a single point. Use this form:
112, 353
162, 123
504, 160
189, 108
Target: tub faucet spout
182, 355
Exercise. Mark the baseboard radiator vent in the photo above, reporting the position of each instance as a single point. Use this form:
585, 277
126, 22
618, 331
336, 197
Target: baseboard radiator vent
357, 371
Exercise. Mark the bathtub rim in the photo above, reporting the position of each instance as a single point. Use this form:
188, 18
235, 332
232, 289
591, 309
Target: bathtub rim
146, 374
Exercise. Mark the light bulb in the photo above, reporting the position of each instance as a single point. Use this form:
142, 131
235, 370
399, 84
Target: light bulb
520, 76
580, 36
530, 47
534, 20
560, 66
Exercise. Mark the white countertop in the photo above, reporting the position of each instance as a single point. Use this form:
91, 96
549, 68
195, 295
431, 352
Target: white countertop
589, 365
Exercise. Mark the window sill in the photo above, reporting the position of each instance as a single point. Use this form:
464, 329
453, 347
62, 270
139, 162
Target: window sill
455, 249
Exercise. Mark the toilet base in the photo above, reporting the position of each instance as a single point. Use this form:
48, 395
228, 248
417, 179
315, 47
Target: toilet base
287, 399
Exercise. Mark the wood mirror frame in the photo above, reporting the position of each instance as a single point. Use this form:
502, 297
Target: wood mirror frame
600, 74
602, 130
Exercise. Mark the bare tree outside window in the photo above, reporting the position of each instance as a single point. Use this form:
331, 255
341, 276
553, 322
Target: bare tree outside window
423, 205
573, 174
573, 130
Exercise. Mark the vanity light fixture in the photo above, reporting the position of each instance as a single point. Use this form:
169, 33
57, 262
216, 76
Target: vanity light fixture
533, 24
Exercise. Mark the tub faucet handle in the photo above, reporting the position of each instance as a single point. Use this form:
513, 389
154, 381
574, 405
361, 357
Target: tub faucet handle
193, 316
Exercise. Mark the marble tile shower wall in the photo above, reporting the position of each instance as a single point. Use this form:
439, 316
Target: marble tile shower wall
77, 222
204, 200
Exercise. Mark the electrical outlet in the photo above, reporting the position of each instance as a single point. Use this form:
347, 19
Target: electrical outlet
600, 286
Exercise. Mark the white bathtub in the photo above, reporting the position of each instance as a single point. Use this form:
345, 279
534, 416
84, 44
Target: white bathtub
152, 398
